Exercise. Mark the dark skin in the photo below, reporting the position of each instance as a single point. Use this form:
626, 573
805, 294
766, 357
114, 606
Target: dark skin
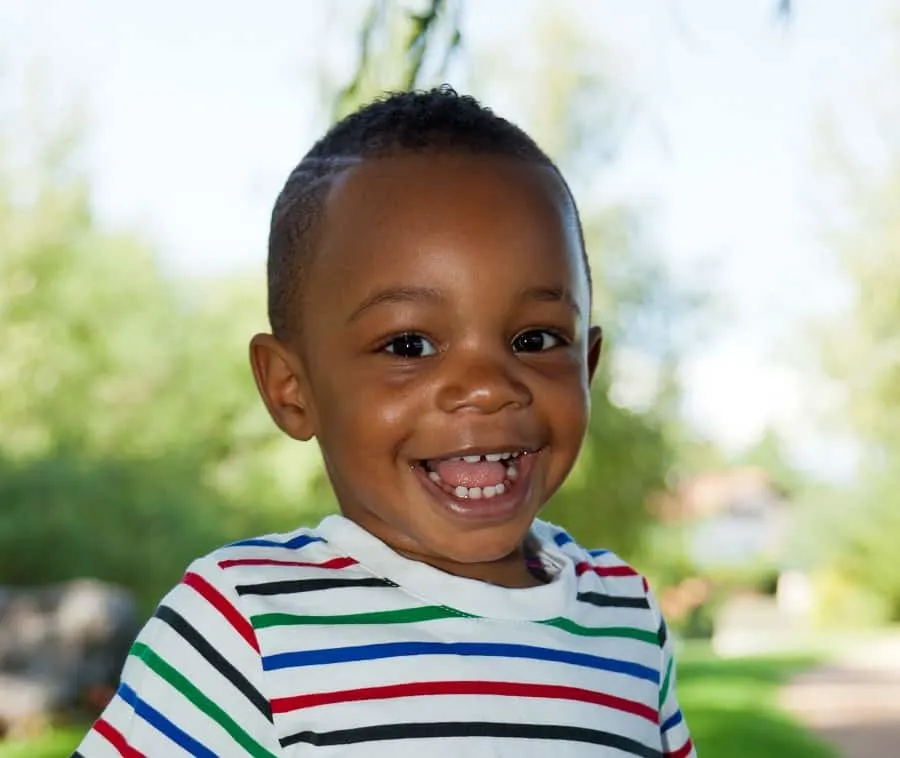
445, 313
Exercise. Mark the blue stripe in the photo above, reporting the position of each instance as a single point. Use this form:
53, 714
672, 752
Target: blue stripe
162, 725
301, 540
674, 720
486, 649
597, 553
562, 539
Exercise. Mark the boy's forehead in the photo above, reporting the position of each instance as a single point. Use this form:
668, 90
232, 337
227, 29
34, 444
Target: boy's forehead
403, 217
420, 192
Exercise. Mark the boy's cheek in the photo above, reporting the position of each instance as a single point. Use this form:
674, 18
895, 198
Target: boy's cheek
572, 415
376, 413
383, 376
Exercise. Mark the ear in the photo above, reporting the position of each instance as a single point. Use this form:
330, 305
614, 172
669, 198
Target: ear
280, 380
594, 348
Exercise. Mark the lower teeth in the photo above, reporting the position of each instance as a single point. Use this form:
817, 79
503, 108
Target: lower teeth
477, 493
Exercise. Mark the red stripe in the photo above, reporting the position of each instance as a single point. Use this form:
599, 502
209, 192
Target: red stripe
218, 601
683, 752
646, 584
334, 563
584, 567
115, 738
509, 689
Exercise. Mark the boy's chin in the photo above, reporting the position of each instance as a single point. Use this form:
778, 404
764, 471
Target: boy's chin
490, 546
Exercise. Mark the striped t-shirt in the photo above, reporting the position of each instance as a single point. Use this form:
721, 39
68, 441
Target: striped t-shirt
327, 643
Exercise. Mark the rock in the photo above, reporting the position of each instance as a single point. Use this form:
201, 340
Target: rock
61, 647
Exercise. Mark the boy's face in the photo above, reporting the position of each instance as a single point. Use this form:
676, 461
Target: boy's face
445, 315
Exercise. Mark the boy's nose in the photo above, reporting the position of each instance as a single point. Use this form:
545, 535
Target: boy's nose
482, 385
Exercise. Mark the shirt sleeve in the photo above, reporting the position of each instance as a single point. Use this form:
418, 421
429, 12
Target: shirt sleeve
192, 683
674, 733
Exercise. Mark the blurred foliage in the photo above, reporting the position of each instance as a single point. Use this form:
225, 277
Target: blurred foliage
132, 438
859, 350
770, 453
135, 523
844, 603
401, 46
863, 547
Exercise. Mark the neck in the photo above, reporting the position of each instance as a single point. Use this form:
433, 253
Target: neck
511, 571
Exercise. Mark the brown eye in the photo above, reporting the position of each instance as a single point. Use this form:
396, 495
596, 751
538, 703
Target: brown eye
536, 341
410, 346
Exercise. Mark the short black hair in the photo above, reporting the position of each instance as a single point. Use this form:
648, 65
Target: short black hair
432, 121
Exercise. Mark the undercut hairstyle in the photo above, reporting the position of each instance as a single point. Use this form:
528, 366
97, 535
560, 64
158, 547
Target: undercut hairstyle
436, 121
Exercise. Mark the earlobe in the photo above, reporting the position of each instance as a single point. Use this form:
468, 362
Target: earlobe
279, 379
594, 348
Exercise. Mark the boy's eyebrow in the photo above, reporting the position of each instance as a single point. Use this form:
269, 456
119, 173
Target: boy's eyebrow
396, 295
552, 295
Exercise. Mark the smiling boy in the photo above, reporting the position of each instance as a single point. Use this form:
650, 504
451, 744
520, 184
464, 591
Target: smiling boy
429, 297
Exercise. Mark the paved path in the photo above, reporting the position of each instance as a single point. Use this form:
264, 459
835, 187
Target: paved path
853, 703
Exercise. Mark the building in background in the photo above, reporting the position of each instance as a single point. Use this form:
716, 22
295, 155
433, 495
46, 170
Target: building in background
733, 518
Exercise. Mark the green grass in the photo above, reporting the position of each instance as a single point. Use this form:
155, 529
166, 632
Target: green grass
731, 708
58, 744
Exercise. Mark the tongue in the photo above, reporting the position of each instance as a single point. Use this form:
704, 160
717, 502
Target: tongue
458, 473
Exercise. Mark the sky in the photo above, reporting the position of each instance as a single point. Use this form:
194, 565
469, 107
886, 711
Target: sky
198, 109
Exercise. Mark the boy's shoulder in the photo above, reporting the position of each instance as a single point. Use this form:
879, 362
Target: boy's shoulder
604, 568
240, 562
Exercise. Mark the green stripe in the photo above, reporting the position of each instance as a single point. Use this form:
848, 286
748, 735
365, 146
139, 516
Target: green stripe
622, 632
180, 683
405, 616
664, 690
437, 612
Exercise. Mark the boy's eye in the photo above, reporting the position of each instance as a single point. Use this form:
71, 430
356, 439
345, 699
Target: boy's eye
536, 341
410, 346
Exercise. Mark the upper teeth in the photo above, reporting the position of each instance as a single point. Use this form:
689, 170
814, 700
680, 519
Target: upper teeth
492, 457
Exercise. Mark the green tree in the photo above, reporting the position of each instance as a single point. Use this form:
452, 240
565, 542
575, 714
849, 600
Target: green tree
402, 45
132, 437
770, 453
88, 391
859, 351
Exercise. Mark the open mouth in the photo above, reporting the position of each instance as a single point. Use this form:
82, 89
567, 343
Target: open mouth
476, 477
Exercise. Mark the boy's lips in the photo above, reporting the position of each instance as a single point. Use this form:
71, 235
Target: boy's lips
484, 486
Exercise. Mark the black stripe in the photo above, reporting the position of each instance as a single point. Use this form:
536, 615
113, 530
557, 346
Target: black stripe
214, 658
76, 754
610, 601
384, 732
663, 633
309, 585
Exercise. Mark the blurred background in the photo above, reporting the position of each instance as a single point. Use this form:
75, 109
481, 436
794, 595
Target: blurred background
738, 171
